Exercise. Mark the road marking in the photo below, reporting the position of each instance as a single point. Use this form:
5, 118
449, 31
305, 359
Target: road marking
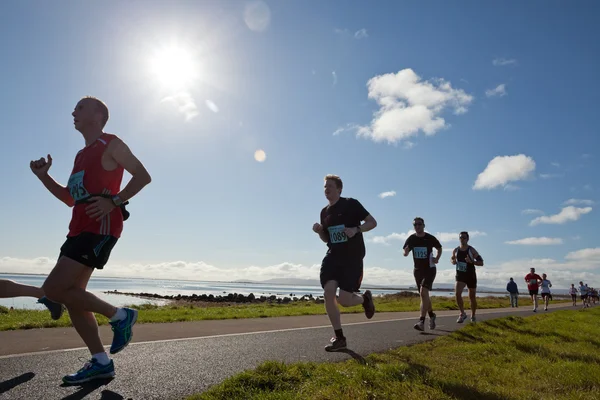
480, 312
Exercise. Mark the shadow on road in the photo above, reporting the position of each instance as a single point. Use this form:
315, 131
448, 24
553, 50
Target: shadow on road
89, 387
354, 355
14, 382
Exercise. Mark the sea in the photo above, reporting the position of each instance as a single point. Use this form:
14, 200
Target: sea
99, 286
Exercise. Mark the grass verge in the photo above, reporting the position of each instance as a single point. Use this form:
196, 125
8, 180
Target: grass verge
550, 356
177, 312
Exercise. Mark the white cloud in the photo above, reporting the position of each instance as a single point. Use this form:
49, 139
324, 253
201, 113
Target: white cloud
361, 34
341, 32
185, 104
504, 169
409, 105
212, 106
503, 61
550, 176
334, 75
443, 237
387, 194
257, 16
587, 187
408, 145
585, 255
531, 211
386, 240
578, 202
536, 241
499, 90
555, 164
567, 214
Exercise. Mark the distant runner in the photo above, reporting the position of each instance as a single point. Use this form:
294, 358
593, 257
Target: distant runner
342, 267
466, 258
573, 293
98, 203
533, 281
546, 294
9, 289
583, 292
513, 290
422, 244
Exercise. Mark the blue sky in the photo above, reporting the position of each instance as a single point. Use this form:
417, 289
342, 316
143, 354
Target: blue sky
479, 117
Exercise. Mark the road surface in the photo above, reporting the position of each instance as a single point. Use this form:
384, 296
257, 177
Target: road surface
171, 361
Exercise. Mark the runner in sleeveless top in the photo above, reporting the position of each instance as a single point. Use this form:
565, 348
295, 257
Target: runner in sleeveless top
93, 191
340, 227
546, 295
573, 293
533, 281
10, 289
465, 258
422, 244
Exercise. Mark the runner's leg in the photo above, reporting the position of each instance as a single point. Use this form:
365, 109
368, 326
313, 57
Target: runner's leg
10, 289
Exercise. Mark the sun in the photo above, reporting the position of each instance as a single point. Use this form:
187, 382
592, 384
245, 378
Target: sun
174, 67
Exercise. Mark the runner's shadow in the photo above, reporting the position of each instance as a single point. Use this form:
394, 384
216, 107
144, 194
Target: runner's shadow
466, 393
354, 355
89, 387
14, 382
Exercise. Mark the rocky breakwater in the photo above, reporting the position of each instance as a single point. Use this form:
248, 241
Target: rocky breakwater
229, 298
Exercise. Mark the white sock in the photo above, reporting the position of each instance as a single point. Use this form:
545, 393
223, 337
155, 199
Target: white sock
102, 358
119, 315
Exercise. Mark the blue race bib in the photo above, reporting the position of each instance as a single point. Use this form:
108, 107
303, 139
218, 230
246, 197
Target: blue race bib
461, 266
420, 252
76, 188
337, 234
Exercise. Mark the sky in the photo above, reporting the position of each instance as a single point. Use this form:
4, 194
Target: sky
477, 116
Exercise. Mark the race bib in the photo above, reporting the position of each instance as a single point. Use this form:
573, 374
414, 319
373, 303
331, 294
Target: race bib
533, 282
76, 188
420, 252
337, 234
461, 266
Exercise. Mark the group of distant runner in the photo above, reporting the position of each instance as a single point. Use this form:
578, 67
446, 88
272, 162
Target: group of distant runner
94, 192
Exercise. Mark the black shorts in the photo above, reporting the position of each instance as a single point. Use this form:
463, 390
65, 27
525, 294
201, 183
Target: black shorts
583, 296
469, 278
424, 277
533, 292
89, 249
347, 273
574, 297
544, 295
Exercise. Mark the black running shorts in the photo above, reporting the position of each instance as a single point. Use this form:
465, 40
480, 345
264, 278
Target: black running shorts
347, 273
470, 278
533, 292
424, 277
89, 249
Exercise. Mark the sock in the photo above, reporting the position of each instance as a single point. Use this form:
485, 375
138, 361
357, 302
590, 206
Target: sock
339, 334
422, 319
121, 314
431, 314
102, 358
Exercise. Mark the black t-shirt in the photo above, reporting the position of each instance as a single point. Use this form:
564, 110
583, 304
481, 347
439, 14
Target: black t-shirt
462, 267
421, 248
345, 213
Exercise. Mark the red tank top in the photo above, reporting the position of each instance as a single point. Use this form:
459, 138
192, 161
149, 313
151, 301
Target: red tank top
90, 178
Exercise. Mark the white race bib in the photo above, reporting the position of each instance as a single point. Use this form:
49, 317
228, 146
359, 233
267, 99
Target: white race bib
461, 266
337, 234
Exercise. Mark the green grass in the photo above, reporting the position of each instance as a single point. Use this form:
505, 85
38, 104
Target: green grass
177, 312
550, 356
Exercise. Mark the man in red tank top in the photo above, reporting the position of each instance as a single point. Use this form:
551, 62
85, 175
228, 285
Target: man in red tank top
94, 192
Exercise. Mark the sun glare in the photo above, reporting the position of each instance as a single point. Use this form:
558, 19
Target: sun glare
174, 67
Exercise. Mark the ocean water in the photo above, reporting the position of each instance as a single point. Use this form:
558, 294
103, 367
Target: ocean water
174, 287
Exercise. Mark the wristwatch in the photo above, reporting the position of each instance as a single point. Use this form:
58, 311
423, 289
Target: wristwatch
117, 200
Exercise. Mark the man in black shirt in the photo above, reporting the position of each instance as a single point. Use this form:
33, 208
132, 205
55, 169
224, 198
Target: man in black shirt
340, 227
465, 258
422, 244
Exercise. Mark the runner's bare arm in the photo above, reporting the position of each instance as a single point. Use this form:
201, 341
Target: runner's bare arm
438, 255
40, 169
453, 258
370, 223
478, 261
140, 177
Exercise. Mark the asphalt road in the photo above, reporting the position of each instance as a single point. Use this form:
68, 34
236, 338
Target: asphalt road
175, 368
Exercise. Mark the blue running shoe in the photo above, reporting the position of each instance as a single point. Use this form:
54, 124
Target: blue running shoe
91, 370
122, 331
56, 309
